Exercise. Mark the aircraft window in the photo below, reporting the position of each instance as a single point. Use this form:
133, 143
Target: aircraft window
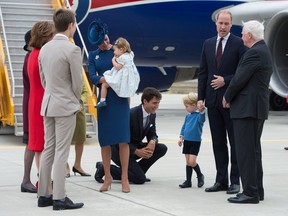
169, 48
155, 48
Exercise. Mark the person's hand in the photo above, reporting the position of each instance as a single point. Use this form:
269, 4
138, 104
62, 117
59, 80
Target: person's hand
200, 105
180, 142
218, 82
102, 80
144, 153
151, 145
225, 104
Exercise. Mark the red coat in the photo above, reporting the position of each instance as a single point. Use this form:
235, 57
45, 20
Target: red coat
36, 122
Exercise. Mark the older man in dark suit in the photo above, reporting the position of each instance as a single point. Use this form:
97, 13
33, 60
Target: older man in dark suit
248, 95
219, 60
142, 154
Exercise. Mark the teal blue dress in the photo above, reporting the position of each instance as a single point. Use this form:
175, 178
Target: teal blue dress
113, 120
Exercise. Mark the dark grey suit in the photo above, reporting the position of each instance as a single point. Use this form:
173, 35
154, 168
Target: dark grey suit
248, 94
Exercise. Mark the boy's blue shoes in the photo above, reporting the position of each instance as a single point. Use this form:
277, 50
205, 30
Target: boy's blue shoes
101, 104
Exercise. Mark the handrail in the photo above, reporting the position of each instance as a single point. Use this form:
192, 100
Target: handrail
6, 102
79, 32
8, 53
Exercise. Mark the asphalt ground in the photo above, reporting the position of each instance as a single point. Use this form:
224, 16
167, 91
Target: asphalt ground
162, 196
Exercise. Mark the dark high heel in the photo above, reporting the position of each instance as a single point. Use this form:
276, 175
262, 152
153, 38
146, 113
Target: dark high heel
28, 190
81, 173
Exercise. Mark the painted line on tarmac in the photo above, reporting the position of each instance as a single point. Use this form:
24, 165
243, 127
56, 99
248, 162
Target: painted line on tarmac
160, 141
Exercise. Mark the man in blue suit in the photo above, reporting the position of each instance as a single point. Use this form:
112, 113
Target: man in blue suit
219, 60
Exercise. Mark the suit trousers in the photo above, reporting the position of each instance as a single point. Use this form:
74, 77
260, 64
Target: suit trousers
248, 133
58, 136
221, 124
137, 168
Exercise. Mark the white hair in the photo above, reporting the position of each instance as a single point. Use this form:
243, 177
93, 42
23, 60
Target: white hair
255, 27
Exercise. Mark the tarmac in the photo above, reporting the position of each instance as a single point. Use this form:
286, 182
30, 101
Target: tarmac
162, 196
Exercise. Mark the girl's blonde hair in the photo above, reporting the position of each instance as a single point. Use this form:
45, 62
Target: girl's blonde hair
122, 43
190, 98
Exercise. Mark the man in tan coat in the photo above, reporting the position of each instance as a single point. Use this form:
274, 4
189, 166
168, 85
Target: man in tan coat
60, 71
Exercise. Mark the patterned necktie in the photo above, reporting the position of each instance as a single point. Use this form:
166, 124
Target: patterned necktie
219, 53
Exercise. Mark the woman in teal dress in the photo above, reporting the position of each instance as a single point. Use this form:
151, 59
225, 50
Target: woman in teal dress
113, 120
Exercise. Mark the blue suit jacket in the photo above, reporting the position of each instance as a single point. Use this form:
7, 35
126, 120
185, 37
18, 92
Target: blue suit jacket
234, 49
138, 133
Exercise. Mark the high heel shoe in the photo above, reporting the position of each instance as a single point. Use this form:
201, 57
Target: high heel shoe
106, 187
81, 173
125, 187
28, 190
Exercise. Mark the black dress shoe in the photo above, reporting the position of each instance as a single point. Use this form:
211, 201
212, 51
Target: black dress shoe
45, 201
200, 181
147, 180
66, 204
217, 187
77, 171
28, 190
261, 196
242, 199
286, 148
185, 184
233, 189
99, 172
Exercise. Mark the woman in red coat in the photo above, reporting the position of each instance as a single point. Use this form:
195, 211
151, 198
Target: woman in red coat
41, 33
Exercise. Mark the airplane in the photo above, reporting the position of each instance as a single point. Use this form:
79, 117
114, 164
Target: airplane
167, 35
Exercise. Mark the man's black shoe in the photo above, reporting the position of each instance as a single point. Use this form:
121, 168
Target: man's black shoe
233, 189
200, 181
66, 204
217, 187
44, 201
261, 196
99, 172
185, 184
243, 199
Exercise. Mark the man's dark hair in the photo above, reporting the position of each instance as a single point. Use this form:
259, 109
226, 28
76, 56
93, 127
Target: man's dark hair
62, 18
149, 93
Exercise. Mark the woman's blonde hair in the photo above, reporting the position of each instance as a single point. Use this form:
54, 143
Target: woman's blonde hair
122, 43
190, 98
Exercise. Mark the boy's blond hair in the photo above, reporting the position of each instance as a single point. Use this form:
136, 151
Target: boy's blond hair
190, 98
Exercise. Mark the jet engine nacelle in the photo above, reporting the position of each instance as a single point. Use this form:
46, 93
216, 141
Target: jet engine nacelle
276, 35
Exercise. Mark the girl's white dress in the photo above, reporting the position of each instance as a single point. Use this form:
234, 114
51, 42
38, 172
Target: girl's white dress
126, 80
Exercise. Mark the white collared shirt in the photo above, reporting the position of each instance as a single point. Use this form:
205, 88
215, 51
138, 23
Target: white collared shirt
224, 41
145, 114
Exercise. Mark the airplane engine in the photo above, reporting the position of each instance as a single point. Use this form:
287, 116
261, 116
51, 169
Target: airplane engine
276, 35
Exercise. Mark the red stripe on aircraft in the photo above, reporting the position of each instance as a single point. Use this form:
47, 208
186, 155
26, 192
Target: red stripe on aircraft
103, 3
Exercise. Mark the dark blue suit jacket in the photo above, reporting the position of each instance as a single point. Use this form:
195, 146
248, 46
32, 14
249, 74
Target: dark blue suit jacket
233, 51
138, 133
